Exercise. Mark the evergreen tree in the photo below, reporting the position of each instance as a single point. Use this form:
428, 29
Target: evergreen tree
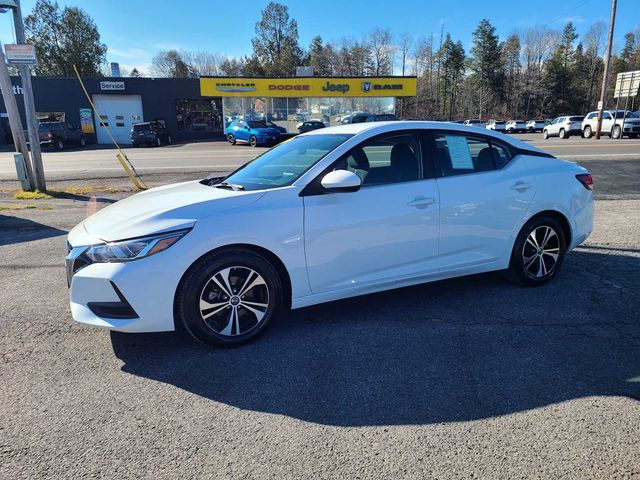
486, 65
275, 45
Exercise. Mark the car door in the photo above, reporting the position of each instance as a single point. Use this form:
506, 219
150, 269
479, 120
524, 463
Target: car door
240, 131
607, 122
387, 230
485, 191
553, 126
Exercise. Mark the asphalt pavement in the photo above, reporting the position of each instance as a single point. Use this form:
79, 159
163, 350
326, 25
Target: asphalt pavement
466, 378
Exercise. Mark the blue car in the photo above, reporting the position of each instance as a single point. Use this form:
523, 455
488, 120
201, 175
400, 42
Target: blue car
252, 132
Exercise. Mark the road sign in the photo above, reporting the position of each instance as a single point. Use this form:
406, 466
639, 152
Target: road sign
627, 84
20, 54
600, 105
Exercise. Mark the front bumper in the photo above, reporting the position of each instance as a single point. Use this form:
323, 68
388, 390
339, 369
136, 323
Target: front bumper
135, 296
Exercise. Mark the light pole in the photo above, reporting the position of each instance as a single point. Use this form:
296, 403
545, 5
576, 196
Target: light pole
605, 76
29, 104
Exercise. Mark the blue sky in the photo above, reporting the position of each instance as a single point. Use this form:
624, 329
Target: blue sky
134, 31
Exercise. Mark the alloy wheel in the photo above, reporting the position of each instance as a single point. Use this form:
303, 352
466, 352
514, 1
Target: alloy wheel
541, 251
234, 301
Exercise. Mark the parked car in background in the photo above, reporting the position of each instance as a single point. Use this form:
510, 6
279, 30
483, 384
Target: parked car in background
625, 123
346, 119
515, 126
331, 214
311, 125
495, 125
252, 132
535, 125
563, 127
371, 117
150, 133
60, 134
474, 122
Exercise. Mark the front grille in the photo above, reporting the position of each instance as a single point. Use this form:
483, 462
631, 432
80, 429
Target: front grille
75, 261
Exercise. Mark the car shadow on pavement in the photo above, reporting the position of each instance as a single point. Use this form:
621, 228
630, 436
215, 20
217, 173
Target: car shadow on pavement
450, 351
18, 230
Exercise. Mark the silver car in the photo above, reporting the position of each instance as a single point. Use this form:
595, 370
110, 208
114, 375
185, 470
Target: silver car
563, 127
535, 125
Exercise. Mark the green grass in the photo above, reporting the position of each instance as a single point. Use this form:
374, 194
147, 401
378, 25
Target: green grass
21, 207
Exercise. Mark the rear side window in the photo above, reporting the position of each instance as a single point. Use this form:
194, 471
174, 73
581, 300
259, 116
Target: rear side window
460, 154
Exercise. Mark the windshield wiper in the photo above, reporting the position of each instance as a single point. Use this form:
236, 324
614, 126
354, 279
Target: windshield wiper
231, 186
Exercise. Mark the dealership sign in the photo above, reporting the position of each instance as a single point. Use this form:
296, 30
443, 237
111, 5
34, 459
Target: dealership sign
627, 84
20, 54
111, 86
308, 87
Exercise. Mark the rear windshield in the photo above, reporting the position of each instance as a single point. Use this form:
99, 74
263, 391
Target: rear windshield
44, 126
576, 119
142, 128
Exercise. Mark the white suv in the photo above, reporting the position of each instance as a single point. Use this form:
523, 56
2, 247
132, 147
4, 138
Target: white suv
495, 125
631, 125
563, 127
514, 126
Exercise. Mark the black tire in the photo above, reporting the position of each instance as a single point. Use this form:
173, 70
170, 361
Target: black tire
586, 133
158, 142
616, 132
169, 141
253, 141
545, 134
562, 134
59, 144
536, 273
231, 139
220, 328
83, 141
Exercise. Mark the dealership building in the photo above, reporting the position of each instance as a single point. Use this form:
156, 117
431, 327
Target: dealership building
199, 108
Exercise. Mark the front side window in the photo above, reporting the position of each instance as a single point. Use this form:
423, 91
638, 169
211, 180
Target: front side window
286, 162
460, 155
390, 158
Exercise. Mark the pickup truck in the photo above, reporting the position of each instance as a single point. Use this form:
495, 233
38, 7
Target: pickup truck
59, 134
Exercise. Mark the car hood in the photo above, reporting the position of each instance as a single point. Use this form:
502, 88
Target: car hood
162, 209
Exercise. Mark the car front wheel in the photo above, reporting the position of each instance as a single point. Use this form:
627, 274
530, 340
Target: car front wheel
253, 141
83, 142
229, 298
538, 252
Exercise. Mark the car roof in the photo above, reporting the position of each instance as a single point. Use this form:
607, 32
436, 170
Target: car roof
390, 126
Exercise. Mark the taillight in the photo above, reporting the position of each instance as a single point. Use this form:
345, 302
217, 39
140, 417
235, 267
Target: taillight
50, 134
586, 180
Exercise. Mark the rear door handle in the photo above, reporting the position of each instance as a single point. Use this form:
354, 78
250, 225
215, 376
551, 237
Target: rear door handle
521, 186
422, 202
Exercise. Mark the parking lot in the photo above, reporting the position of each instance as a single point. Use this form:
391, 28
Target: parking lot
465, 378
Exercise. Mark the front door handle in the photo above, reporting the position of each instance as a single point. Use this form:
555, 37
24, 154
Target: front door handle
521, 186
422, 202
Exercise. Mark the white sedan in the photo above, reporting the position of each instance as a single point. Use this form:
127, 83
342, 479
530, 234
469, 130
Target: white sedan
334, 213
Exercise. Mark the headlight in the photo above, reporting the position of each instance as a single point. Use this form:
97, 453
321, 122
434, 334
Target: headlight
134, 248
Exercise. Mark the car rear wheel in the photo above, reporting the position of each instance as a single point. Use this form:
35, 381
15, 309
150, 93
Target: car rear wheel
169, 141
538, 252
158, 142
83, 142
253, 141
545, 134
562, 134
586, 133
229, 298
616, 132
231, 139
59, 144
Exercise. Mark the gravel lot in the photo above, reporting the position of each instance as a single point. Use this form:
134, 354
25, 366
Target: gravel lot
466, 378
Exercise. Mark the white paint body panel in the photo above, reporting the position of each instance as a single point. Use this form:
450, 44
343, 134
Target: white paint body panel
335, 245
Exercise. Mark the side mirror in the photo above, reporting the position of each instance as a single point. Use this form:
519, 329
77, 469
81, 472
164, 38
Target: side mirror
341, 181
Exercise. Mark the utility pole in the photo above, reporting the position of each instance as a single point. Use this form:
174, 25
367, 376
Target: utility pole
605, 77
15, 122
29, 104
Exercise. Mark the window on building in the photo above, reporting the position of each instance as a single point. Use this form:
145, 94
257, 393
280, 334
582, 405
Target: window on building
198, 115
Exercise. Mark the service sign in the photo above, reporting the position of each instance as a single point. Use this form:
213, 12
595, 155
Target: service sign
308, 87
109, 86
20, 54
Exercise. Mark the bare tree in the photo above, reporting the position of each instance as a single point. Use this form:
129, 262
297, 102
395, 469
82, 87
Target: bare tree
382, 49
404, 49
203, 63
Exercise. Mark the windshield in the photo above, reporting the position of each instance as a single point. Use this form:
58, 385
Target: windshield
285, 163
141, 128
254, 124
